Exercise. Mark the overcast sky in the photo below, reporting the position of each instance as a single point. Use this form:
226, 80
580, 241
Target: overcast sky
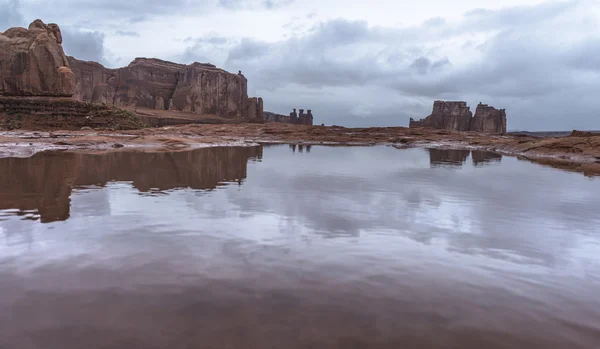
359, 63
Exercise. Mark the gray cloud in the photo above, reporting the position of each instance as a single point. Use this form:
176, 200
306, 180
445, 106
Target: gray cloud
138, 19
95, 14
248, 49
208, 48
10, 15
84, 45
421, 65
273, 4
515, 67
126, 33
253, 4
527, 59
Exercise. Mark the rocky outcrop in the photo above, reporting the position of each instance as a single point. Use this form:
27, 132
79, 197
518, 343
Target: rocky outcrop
488, 120
293, 118
33, 63
197, 88
450, 115
457, 116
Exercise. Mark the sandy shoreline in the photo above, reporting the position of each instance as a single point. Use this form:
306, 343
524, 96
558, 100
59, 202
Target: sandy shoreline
580, 152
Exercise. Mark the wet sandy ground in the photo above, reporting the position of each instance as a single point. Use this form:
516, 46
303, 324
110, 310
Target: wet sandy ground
579, 152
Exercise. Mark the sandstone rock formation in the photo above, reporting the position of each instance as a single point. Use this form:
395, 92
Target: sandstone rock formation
488, 120
156, 84
457, 116
33, 63
305, 119
449, 115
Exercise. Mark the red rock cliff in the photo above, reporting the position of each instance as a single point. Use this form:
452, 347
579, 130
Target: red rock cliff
152, 83
33, 63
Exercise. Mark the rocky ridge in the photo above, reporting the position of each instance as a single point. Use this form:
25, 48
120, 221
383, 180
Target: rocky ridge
33, 64
197, 88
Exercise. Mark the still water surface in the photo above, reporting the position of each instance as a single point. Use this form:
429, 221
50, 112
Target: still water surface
285, 247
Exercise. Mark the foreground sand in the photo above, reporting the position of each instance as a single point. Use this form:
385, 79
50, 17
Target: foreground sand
579, 152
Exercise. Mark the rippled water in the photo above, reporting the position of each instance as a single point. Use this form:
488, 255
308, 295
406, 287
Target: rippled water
296, 247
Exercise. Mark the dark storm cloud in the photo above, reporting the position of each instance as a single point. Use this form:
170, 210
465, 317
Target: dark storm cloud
84, 45
10, 14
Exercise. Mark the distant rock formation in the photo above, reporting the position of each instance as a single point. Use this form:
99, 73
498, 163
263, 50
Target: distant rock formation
293, 118
305, 119
488, 120
197, 88
457, 116
33, 63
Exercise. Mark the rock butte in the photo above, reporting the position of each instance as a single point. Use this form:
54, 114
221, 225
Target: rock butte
457, 116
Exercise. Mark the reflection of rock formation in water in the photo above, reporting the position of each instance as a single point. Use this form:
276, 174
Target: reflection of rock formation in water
454, 157
43, 182
448, 156
481, 158
300, 148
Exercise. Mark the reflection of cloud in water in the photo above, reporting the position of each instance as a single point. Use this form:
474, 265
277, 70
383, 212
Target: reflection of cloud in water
519, 208
516, 210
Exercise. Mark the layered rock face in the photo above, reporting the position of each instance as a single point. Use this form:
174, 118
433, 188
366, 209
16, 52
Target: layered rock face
156, 84
33, 63
457, 116
449, 115
489, 120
